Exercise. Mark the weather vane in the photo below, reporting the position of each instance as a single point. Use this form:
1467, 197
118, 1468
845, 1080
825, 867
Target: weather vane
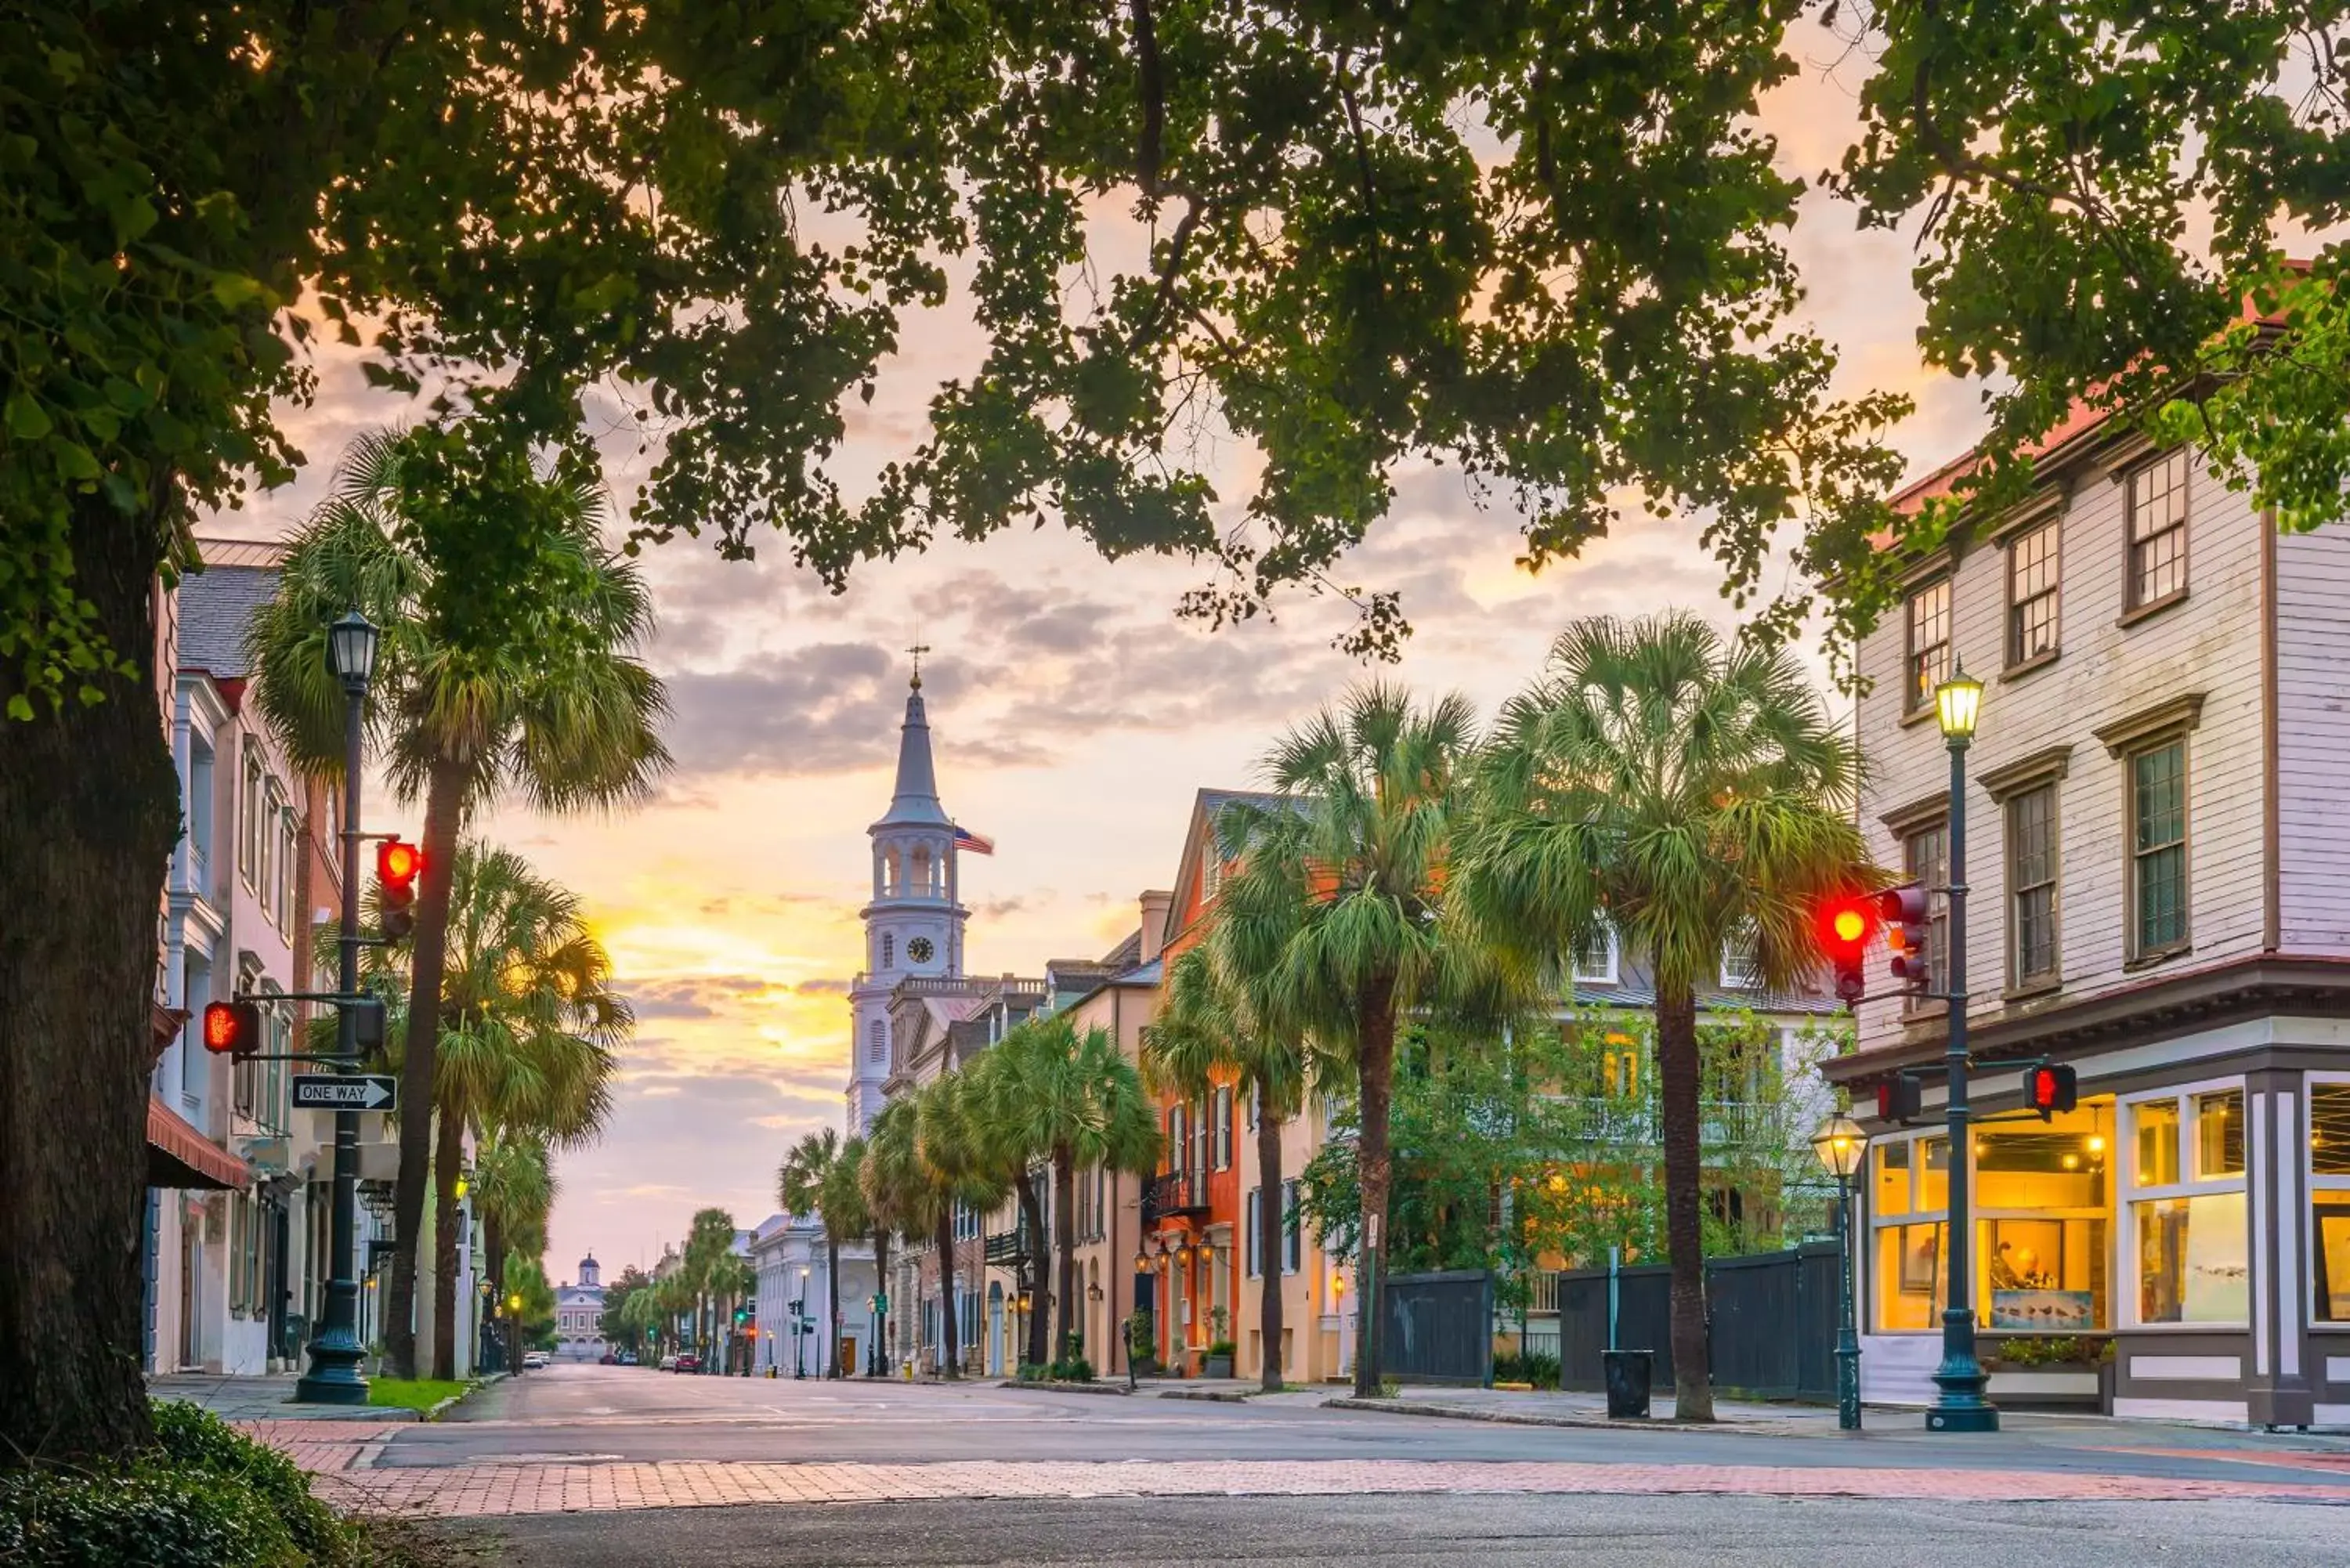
918, 649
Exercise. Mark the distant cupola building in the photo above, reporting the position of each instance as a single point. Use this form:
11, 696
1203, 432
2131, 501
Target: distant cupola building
579, 1315
914, 924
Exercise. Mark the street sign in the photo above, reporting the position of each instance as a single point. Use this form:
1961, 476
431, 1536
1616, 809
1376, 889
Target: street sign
345, 1091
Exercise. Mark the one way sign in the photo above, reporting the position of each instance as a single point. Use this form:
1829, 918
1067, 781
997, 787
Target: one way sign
319, 1092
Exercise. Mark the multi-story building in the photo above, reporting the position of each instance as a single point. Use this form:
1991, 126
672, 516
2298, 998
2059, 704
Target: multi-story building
2157, 869
579, 1315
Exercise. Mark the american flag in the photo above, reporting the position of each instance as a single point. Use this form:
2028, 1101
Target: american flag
966, 839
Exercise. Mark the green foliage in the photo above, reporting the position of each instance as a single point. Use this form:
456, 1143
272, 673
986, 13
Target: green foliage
1537, 1368
1222, 1349
1140, 1345
2097, 191
192, 1437
412, 1393
170, 1518
1071, 1369
2054, 1350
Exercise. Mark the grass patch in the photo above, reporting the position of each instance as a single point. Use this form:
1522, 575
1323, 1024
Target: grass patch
410, 1392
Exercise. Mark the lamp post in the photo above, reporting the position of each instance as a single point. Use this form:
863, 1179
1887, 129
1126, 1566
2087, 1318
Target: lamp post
333, 1378
514, 1332
1840, 1143
1959, 1405
800, 1328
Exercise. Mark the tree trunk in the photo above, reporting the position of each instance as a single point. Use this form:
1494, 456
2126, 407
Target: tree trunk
950, 1361
1034, 1254
832, 1301
1064, 1244
443, 811
1678, 1070
89, 809
1271, 1231
448, 1157
494, 1269
1374, 1068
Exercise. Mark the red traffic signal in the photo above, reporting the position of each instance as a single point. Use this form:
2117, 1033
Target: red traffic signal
233, 1028
398, 864
1908, 912
2050, 1089
1847, 923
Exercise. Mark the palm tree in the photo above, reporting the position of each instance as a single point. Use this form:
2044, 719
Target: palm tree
1208, 1032
819, 1177
1004, 1141
528, 1026
898, 1185
1081, 1103
552, 703
1693, 794
955, 1160
513, 1192
1332, 919
709, 1252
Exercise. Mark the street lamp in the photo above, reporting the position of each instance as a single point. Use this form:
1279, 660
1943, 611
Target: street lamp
1840, 1143
799, 1328
514, 1332
333, 1378
1959, 1406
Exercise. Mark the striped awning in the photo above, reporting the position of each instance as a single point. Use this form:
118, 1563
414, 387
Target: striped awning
179, 1156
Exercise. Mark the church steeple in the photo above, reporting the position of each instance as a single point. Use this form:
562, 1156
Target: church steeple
915, 802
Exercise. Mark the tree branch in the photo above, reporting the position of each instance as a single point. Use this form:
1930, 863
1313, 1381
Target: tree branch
1153, 90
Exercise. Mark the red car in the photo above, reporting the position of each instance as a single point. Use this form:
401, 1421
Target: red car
689, 1364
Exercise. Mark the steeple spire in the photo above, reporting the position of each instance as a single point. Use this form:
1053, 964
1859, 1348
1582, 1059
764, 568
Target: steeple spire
915, 798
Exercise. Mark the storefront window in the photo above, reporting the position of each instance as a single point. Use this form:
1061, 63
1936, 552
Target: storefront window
2219, 1134
1912, 1288
2191, 1253
1893, 1178
2044, 1195
2155, 1126
2329, 1197
2192, 1260
1933, 1174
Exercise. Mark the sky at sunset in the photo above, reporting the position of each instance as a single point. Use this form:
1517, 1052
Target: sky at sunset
1074, 718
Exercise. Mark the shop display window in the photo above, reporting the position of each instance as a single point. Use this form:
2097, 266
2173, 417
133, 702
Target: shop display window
2329, 1199
2189, 1245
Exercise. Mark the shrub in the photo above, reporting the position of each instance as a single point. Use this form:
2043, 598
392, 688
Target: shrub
2054, 1350
1029, 1372
189, 1517
189, 1438
1073, 1369
1223, 1347
1534, 1368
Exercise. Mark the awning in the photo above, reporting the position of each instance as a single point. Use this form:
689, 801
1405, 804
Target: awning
179, 1156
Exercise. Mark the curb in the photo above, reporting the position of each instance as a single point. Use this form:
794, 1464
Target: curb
1216, 1396
443, 1407
1117, 1388
1586, 1423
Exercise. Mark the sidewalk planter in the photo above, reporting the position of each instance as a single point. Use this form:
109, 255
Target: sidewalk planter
2065, 1372
1629, 1373
1218, 1362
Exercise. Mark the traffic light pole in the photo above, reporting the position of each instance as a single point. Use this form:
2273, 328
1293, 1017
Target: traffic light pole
334, 1376
1959, 1406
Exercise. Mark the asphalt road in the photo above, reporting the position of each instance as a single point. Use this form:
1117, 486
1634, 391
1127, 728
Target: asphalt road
1407, 1532
591, 1414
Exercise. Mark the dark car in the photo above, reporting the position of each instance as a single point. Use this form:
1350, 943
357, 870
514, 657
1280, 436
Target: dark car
608, 1359
689, 1363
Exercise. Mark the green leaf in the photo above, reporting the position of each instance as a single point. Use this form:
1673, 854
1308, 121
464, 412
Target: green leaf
27, 420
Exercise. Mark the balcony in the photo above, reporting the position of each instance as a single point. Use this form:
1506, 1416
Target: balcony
1009, 1250
1176, 1194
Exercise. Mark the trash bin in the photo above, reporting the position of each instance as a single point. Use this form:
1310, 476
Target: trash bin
1628, 1372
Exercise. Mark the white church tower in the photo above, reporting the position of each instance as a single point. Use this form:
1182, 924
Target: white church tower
914, 926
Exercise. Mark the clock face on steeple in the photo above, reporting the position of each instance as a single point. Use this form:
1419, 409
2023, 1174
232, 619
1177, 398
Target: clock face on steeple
920, 949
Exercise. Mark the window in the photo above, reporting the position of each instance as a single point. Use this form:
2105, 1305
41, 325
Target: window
1929, 645
877, 1037
2329, 1182
249, 814
1223, 1129
889, 949
1595, 957
2189, 1250
1619, 1068
2158, 869
1926, 860
2031, 589
1738, 961
1252, 1255
2032, 886
1292, 1230
2158, 530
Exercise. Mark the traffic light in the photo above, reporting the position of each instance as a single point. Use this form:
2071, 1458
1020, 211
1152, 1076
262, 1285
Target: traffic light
1897, 1098
396, 866
1847, 923
1907, 912
233, 1028
2050, 1089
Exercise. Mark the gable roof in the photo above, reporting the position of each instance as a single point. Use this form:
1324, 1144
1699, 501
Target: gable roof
216, 606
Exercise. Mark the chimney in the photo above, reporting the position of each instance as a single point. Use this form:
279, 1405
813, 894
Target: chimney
1155, 907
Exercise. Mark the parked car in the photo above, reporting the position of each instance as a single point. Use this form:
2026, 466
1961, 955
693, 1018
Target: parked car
668, 1364
532, 1360
689, 1363
608, 1359
628, 1358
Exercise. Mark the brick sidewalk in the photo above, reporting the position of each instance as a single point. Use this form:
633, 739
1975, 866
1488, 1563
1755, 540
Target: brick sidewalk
342, 1456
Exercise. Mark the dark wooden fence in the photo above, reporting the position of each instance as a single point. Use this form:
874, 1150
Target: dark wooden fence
1771, 1322
1437, 1328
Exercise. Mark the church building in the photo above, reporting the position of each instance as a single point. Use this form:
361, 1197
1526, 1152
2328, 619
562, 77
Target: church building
579, 1315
